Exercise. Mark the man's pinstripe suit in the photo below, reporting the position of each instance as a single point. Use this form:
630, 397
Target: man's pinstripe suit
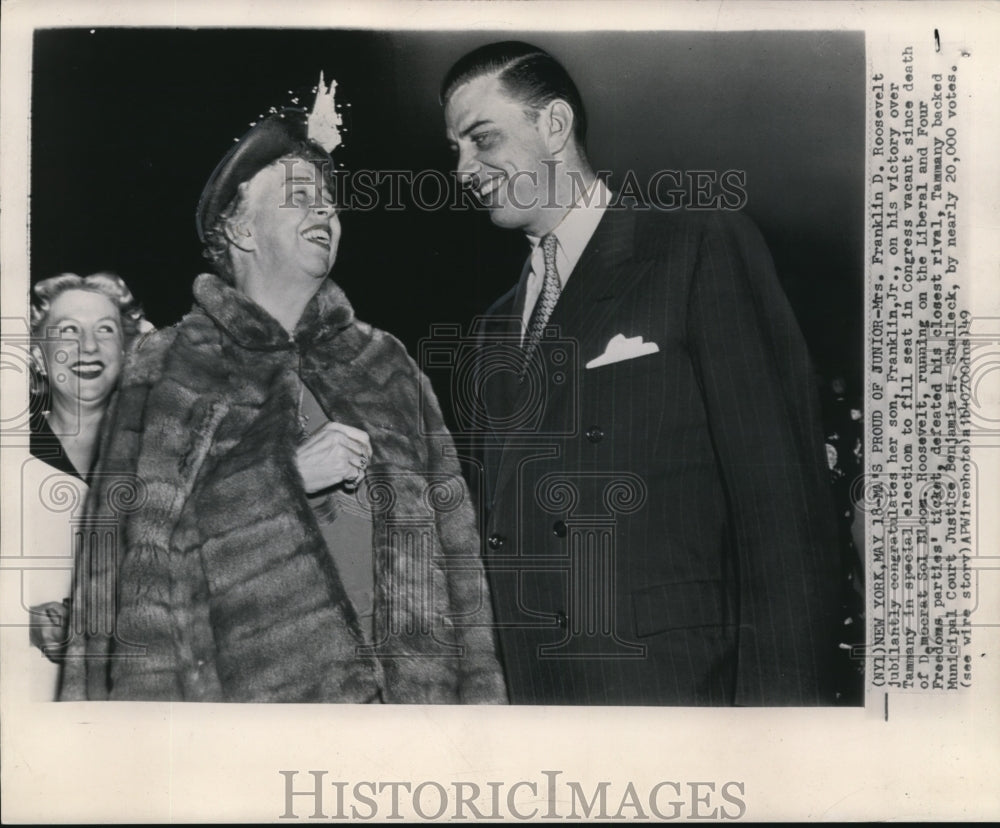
659, 530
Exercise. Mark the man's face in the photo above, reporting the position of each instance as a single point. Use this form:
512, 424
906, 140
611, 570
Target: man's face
290, 213
501, 154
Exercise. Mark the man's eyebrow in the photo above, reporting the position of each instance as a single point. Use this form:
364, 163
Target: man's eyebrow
473, 126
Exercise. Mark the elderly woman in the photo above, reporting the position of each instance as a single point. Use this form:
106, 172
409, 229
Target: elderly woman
80, 329
306, 534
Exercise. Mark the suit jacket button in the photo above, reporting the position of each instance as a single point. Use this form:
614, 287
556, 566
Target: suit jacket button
595, 434
495, 542
561, 619
559, 529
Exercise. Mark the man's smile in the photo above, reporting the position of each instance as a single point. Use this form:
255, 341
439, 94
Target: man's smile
490, 185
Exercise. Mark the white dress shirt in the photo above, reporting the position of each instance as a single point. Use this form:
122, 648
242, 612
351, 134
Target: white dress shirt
572, 235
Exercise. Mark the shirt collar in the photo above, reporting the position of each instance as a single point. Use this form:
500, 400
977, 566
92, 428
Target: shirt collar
579, 223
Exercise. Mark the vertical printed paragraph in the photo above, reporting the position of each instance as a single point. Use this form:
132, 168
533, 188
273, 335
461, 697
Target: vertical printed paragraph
918, 490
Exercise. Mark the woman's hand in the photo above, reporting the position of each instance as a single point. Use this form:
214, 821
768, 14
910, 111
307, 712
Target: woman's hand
335, 454
49, 623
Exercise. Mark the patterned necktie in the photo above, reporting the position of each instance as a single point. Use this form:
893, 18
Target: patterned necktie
546, 301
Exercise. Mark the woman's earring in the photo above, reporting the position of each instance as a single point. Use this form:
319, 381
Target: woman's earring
38, 385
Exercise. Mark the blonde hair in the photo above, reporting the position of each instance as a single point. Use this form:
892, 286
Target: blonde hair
110, 285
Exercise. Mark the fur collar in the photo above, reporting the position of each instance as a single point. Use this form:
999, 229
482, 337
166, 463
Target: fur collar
251, 326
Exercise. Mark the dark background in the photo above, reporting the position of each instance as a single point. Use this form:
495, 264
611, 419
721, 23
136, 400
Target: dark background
127, 125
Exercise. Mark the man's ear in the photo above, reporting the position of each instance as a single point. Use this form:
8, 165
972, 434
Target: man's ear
558, 123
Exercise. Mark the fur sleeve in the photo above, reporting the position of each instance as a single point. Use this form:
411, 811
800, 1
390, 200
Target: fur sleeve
155, 440
114, 487
481, 678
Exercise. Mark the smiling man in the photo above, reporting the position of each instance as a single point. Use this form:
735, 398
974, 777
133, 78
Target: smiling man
659, 528
525, 170
281, 545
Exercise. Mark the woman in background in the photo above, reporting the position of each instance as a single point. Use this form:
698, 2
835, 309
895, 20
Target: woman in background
80, 330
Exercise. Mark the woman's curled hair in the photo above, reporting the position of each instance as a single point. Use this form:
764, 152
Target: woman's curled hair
110, 285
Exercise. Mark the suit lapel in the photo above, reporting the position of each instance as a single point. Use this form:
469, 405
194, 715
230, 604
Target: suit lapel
603, 272
509, 330
597, 277
498, 359
522, 290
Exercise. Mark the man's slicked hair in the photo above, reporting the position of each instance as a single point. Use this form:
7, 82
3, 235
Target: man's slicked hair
527, 73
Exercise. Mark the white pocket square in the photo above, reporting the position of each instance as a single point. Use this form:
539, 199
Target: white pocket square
621, 348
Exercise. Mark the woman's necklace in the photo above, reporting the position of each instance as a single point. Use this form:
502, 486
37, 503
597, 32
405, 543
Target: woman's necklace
302, 416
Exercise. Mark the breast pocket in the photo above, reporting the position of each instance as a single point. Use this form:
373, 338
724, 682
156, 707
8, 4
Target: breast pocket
626, 400
623, 370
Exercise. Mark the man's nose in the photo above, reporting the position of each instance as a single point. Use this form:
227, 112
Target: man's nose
467, 167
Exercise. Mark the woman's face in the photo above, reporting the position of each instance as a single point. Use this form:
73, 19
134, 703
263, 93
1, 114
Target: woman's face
82, 345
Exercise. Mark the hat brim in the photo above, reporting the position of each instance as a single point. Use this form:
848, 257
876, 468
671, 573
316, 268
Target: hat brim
270, 139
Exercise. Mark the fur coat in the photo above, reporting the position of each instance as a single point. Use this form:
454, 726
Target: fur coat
224, 587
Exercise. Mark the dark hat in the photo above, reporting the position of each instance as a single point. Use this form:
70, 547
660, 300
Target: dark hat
270, 139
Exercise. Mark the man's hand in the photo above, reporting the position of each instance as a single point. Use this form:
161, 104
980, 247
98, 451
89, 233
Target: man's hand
49, 623
335, 454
